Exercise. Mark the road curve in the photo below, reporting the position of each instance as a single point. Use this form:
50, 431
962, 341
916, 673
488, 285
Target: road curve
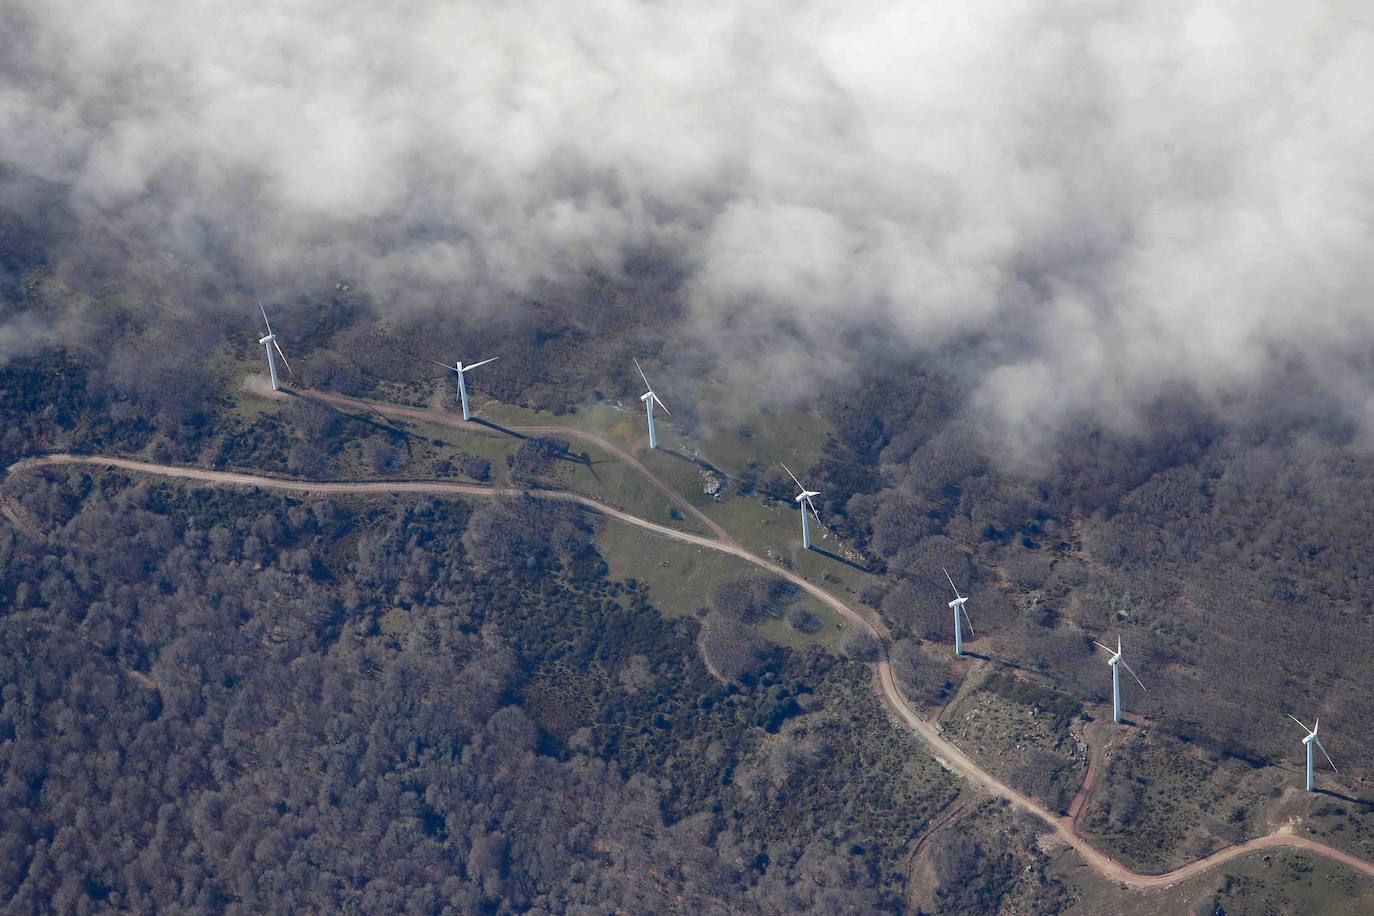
433, 416
943, 750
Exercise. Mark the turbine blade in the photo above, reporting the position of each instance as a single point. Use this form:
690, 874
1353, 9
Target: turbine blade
264, 317
482, 363
449, 366
967, 619
1136, 676
642, 375
1100, 646
1326, 755
814, 512
282, 355
1300, 725
794, 478
661, 404
951, 582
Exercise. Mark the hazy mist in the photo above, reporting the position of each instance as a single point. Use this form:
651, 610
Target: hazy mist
1087, 204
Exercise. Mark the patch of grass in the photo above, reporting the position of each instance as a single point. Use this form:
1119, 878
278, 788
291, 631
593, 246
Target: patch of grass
1161, 802
988, 859
1021, 732
1279, 882
682, 577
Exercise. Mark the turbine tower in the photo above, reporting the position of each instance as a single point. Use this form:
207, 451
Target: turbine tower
1311, 739
1116, 661
648, 397
459, 368
269, 343
804, 498
958, 605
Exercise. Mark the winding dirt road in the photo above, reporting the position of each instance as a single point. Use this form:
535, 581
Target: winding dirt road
443, 419
949, 755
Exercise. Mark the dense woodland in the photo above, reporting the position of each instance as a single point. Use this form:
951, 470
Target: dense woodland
1229, 560
268, 703
413, 706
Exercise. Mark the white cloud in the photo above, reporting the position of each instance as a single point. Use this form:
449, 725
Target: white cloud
1098, 200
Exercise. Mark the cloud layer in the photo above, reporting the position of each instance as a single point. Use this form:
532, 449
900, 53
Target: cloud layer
1089, 204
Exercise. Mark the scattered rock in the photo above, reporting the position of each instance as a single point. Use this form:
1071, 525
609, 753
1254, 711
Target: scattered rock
712, 485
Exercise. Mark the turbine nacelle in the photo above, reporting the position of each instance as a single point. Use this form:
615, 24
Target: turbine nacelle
458, 367
1115, 653
1312, 734
648, 397
957, 605
803, 498
1311, 738
269, 340
1116, 660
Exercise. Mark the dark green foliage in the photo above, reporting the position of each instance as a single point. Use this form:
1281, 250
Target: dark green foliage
268, 703
52, 403
1043, 699
475, 466
1231, 561
754, 598
733, 649
989, 862
535, 457
923, 677
802, 620
531, 535
860, 645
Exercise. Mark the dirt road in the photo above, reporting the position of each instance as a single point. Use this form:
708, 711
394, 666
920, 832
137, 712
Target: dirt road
443, 419
943, 750
1096, 741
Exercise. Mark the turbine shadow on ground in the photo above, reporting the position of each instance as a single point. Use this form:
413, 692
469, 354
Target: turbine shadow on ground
496, 427
1363, 802
382, 424
586, 461
678, 455
839, 559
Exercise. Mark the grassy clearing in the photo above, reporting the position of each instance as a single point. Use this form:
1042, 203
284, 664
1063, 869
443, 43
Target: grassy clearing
1161, 803
1023, 733
682, 577
1281, 882
1343, 821
987, 859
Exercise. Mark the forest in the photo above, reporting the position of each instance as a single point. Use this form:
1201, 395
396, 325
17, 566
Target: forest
315, 704
263, 702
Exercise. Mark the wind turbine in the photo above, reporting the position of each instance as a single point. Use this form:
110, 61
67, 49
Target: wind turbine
459, 368
1307, 742
804, 498
1116, 661
958, 605
269, 343
649, 398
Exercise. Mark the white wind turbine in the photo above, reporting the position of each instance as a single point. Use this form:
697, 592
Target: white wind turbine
459, 368
804, 499
1307, 742
649, 398
958, 605
269, 343
1116, 661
